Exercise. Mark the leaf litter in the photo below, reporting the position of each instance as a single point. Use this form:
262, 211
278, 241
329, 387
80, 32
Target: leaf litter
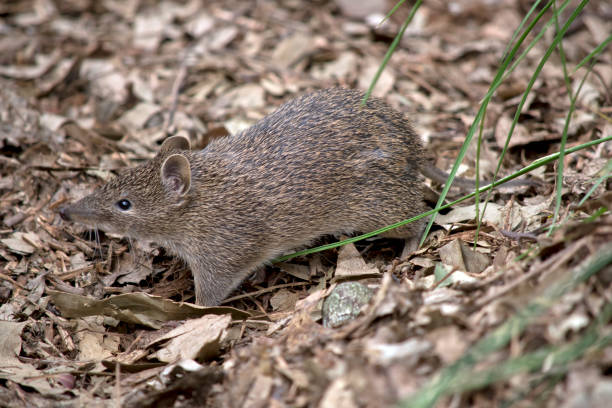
92, 319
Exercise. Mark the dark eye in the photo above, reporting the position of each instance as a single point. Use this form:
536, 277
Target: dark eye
123, 205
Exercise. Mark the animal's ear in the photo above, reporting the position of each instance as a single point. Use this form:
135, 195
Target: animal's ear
176, 174
178, 142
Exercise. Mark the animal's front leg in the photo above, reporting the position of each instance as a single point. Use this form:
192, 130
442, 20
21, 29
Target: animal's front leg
215, 281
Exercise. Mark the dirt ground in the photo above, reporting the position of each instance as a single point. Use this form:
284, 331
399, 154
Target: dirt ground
93, 319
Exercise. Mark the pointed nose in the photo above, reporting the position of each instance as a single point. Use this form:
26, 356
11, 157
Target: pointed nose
63, 212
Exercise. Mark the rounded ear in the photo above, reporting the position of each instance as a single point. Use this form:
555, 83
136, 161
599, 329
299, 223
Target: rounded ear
178, 142
176, 174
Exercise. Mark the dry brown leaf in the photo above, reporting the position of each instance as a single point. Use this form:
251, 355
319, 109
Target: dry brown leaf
292, 49
105, 80
520, 135
23, 243
249, 96
459, 255
138, 308
361, 10
149, 28
200, 24
195, 339
94, 343
351, 263
342, 68
259, 392
43, 64
408, 352
299, 271
284, 300
385, 81
138, 117
449, 343
338, 394
12, 367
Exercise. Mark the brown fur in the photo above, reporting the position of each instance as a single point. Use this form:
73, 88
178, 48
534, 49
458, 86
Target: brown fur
321, 164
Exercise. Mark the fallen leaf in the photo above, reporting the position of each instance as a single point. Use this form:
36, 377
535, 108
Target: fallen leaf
138, 308
13, 369
459, 255
338, 394
385, 81
449, 343
292, 49
409, 351
283, 300
18, 244
94, 342
140, 115
195, 339
351, 263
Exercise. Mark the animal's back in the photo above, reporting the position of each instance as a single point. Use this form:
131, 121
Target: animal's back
323, 164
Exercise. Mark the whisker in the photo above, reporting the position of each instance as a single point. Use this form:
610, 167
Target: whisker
98, 243
131, 244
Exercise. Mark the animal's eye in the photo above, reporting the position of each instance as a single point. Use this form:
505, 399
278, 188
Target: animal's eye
123, 205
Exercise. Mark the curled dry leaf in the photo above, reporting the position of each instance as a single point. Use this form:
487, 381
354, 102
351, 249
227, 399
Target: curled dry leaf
195, 339
459, 255
138, 308
351, 263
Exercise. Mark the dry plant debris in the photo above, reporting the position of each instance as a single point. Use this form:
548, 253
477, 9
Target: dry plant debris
88, 87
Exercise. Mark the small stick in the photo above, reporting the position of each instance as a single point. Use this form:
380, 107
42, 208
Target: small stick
11, 280
262, 291
518, 235
176, 87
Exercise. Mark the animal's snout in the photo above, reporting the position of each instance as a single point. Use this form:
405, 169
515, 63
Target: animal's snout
63, 212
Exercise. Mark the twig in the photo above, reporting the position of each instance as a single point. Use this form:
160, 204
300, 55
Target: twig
518, 235
117, 388
265, 290
8, 278
176, 87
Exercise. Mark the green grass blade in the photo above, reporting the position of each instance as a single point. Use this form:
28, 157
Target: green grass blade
533, 8
560, 165
391, 50
598, 50
393, 10
537, 38
482, 110
607, 174
538, 163
532, 80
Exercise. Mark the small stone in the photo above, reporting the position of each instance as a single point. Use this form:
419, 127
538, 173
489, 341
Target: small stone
344, 303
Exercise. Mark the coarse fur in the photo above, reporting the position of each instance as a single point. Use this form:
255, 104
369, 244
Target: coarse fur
321, 164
